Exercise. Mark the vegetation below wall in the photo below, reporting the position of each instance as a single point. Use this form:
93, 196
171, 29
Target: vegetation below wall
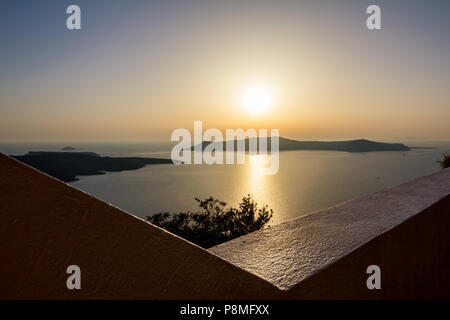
214, 223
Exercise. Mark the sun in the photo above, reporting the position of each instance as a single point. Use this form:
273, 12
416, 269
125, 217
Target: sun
257, 99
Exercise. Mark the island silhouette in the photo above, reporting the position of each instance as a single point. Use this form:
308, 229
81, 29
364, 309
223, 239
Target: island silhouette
66, 166
360, 145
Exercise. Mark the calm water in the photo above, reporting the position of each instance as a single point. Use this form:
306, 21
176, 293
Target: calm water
306, 181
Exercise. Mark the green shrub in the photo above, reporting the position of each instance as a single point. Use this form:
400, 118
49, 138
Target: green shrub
214, 223
445, 162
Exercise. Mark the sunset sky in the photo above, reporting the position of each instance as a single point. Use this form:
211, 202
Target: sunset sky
140, 69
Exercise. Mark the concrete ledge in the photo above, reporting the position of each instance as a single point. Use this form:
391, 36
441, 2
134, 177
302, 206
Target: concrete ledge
405, 230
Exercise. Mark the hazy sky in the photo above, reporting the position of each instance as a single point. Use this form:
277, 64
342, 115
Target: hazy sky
139, 69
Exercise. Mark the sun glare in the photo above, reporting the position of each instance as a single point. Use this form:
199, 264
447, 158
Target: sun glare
257, 99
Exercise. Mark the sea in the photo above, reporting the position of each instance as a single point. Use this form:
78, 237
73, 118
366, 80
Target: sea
307, 181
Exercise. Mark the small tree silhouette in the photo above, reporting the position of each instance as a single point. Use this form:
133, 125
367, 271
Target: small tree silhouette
445, 162
215, 223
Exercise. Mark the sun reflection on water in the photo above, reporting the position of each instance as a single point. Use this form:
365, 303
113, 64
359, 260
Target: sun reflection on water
257, 178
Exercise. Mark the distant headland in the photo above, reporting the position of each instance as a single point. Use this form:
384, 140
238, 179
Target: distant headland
361, 145
66, 166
